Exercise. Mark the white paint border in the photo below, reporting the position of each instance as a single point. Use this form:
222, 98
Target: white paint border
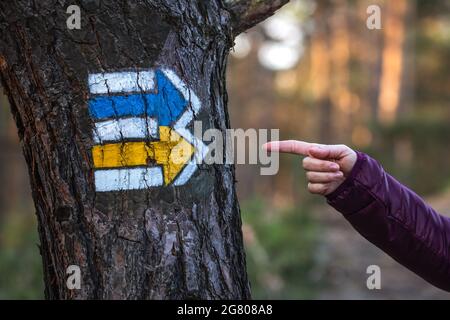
125, 128
180, 127
123, 82
188, 95
128, 179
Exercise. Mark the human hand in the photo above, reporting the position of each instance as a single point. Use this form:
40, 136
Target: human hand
326, 166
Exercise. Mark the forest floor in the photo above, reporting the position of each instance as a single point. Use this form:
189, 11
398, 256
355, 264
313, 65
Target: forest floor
344, 257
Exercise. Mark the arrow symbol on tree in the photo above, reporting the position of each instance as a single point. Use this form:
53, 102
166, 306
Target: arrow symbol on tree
172, 152
141, 129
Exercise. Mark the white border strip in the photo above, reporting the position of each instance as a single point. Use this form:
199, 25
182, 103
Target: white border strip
128, 179
188, 95
180, 126
200, 154
183, 122
128, 128
104, 83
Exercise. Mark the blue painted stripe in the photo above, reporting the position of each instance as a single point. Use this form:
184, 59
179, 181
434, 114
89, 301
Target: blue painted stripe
120, 106
166, 105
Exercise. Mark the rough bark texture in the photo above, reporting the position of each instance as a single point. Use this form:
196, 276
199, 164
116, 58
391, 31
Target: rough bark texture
247, 13
161, 243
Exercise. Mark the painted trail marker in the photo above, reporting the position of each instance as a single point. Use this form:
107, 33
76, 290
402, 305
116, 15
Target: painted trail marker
141, 136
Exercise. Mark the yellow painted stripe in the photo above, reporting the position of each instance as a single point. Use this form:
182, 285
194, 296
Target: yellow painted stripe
172, 152
120, 155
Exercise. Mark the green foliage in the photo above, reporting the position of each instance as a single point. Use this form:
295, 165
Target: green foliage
280, 248
21, 275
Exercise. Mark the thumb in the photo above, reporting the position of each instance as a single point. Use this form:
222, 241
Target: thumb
324, 152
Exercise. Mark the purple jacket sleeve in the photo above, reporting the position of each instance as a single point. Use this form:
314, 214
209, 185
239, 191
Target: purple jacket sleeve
396, 220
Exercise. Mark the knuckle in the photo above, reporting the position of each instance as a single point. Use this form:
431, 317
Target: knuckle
336, 176
306, 162
321, 189
333, 178
316, 188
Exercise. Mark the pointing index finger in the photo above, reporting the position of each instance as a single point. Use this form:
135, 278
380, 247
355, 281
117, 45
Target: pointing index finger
289, 146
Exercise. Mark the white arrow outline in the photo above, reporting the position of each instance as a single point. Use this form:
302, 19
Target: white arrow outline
141, 178
201, 150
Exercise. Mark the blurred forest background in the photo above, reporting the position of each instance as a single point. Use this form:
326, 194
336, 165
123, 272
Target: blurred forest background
318, 73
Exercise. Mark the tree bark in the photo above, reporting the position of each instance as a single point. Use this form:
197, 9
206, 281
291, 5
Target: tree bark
247, 13
173, 242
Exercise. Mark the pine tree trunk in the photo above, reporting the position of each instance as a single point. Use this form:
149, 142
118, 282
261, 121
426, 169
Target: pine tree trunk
169, 242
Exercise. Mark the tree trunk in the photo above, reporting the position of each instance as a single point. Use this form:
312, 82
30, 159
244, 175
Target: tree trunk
160, 242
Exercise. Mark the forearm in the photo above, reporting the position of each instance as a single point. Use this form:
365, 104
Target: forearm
396, 220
